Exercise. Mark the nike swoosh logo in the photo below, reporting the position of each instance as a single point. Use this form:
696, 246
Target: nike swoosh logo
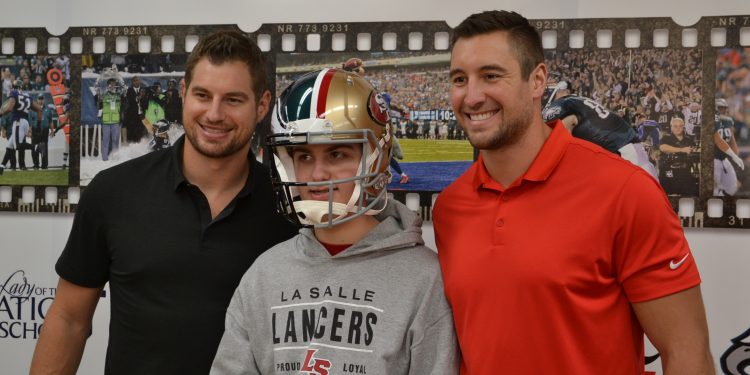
674, 266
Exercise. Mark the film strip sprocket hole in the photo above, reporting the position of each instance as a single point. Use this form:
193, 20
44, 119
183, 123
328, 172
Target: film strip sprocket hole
409, 62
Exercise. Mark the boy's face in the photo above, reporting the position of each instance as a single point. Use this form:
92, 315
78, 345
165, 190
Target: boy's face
324, 162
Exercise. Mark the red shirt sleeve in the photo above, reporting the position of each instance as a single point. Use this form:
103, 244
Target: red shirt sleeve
651, 254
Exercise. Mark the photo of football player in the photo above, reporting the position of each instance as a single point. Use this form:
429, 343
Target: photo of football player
160, 137
41, 128
589, 120
31, 150
645, 89
19, 104
725, 152
731, 137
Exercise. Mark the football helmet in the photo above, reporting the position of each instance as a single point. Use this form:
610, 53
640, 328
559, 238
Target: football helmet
17, 84
330, 106
160, 139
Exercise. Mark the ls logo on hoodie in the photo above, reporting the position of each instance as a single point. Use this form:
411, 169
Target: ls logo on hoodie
315, 366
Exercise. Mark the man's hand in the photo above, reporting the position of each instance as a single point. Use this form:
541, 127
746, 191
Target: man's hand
739, 162
736, 159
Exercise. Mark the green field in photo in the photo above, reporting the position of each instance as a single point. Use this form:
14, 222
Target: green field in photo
418, 150
46, 177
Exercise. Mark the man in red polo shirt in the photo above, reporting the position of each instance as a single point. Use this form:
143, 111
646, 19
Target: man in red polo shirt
556, 254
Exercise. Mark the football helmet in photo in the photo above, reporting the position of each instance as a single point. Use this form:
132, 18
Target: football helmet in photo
330, 106
160, 139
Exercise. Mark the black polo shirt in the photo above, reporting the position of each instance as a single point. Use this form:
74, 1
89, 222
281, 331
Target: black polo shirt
142, 227
677, 158
672, 140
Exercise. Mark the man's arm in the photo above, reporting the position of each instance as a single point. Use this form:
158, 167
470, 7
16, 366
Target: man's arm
676, 325
7, 106
669, 149
437, 351
729, 148
38, 109
66, 327
570, 122
720, 143
235, 354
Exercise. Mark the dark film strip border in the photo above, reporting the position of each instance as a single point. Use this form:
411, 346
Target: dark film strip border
429, 36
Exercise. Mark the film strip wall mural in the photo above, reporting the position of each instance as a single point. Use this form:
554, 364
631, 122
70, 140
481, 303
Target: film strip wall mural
683, 91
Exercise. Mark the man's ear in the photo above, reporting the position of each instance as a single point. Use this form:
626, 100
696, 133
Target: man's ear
263, 104
538, 78
183, 91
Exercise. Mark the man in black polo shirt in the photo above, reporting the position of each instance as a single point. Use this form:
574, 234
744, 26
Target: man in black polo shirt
173, 231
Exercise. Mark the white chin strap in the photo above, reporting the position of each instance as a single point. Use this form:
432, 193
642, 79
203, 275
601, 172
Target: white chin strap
315, 211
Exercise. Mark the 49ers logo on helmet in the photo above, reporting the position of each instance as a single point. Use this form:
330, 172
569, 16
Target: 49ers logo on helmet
378, 108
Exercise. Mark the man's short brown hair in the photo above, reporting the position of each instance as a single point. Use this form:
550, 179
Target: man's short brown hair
526, 38
225, 46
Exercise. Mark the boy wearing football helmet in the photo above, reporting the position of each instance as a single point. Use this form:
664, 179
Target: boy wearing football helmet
356, 289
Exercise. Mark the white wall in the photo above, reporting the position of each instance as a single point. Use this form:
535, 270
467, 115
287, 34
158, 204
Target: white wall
33, 241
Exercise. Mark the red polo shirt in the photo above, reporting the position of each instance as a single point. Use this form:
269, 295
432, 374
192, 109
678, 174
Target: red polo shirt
541, 274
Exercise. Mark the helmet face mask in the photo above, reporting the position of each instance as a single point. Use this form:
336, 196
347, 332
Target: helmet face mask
330, 107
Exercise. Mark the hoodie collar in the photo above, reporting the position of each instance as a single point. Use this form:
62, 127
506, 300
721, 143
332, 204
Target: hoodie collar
399, 228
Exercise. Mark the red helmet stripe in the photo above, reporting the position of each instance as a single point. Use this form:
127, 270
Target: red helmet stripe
325, 84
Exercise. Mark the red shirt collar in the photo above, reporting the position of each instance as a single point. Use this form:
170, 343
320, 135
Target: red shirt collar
334, 249
539, 170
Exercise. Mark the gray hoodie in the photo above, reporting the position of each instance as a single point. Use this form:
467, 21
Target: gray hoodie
376, 308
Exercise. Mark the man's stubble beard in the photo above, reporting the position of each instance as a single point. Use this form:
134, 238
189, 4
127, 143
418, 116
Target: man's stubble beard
232, 147
510, 131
